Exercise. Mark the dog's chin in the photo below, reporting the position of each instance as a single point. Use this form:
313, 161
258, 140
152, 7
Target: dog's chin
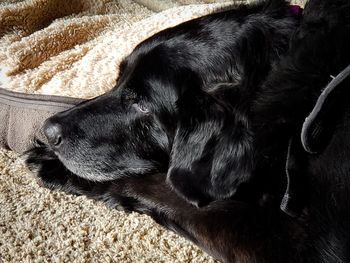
90, 168
84, 170
41, 158
94, 170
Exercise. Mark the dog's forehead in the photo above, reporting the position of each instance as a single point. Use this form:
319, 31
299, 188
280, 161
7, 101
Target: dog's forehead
145, 83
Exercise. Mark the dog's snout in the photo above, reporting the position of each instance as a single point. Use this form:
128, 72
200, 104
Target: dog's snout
53, 132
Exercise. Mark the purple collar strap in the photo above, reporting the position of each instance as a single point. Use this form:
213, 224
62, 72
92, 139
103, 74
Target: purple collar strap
295, 9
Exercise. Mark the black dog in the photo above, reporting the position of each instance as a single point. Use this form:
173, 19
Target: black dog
193, 120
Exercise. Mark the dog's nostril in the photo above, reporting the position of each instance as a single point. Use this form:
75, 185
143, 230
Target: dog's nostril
53, 133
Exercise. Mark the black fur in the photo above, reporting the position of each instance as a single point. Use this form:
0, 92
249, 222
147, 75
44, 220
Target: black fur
193, 120
180, 105
319, 51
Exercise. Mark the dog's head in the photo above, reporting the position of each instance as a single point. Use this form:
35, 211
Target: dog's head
180, 106
157, 119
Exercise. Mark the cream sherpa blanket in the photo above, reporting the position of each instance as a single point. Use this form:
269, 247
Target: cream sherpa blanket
73, 48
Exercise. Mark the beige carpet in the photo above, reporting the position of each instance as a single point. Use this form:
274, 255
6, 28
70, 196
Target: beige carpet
73, 48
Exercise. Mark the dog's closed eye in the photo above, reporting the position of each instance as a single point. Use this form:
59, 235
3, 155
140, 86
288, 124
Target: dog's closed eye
140, 107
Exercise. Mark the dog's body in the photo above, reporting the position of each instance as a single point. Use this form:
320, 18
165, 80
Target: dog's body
193, 120
318, 165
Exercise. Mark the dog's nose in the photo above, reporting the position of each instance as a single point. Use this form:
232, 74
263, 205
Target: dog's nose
53, 132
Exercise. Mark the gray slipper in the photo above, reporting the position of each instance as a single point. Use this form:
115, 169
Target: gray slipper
22, 116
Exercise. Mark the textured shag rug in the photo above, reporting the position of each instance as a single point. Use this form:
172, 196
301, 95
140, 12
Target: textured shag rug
73, 48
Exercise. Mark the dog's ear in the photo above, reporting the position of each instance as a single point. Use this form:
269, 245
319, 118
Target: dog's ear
319, 126
211, 153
